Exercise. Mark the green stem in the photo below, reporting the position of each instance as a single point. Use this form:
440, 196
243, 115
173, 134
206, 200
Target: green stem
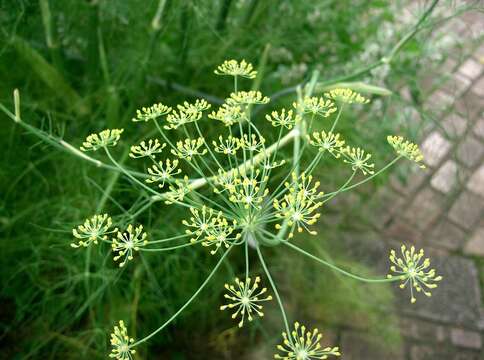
367, 179
391, 54
129, 175
156, 22
195, 184
246, 258
412, 33
337, 118
335, 268
99, 208
59, 143
174, 316
171, 247
300, 129
276, 293
341, 188
169, 239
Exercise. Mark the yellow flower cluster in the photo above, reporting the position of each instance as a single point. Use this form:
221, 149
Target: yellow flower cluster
121, 343
407, 149
147, 149
189, 148
245, 298
247, 98
347, 96
303, 344
178, 190
358, 159
105, 138
298, 206
151, 113
128, 241
414, 271
201, 222
98, 227
316, 106
228, 146
283, 118
228, 114
327, 141
247, 191
163, 172
220, 233
235, 68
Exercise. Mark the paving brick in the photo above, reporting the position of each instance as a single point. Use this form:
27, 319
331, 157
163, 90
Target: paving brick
467, 209
479, 53
401, 230
465, 338
478, 87
429, 352
409, 182
439, 101
454, 25
425, 208
470, 151
447, 235
357, 346
455, 86
476, 29
456, 301
427, 86
411, 118
469, 105
449, 66
471, 69
472, 18
416, 329
368, 247
475, 245
479, 128
455, 126
383, 206
445, 178
434, 148
476, 182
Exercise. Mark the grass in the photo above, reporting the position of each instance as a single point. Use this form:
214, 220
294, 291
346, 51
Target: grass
84, 66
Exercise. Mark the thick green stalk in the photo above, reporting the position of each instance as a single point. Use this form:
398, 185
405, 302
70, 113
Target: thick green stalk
299, 129
59, 143
156, 22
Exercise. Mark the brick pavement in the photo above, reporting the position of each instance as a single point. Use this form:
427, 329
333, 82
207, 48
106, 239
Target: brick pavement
440, 209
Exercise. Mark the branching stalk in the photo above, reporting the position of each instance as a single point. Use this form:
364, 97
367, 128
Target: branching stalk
199, 290
335, 268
